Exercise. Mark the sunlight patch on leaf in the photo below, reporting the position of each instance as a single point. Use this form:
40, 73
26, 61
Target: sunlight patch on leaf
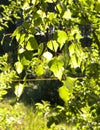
32, 43
64, 93
56, 66
71, 49
74, 61
61, 37
19, 67
48, 55
16, 33
53, 45
39, 70
69, 83
67, 14
19, 89
51, 16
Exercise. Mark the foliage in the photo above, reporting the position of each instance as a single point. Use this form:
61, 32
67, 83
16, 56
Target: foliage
55, 39
7, 74
19, 117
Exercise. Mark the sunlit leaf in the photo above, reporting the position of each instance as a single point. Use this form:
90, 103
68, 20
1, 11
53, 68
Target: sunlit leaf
64, 93
16, 33
19, 67
59, 8
2, 92
56, 66
19, 89
39, 70
32, 43
22, 38
40, 48
53, 45
48, 55
67, 14
21, 50
97, 6
41, 13
61, 37
51, 16
69, 83
25, 57
74, 61
25, 5
72, 49
76, 55
50, 1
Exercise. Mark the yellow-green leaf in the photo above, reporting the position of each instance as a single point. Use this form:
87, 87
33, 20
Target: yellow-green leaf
32, 43
53, 45
97, 6
69, 83
19, 67
64, 93
19, 89
61, 37
39, 70
47, 55
67, 14
56, 66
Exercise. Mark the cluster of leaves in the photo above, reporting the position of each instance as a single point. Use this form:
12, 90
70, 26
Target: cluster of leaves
44, 116
19, 117
60, 38
7, 74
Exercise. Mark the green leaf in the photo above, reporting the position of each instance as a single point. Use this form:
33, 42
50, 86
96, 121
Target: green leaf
19, 67
48, 55
25, 57
67, 15
32, 43
2, 93
76, 55
26, 25
38, 21
24, 61
39, 70
51, 16
50, 1
40, 49
56, 66
21, 50
64, 93
72, 49
61, 37
19, 89
60, 7
22, 38
97, 6
41, 13
1, 28
25, 5
16, 33
74, 61
53, 45
69, 83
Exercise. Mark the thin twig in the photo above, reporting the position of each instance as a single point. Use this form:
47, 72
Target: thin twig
37, 79
40, 79
7, 34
